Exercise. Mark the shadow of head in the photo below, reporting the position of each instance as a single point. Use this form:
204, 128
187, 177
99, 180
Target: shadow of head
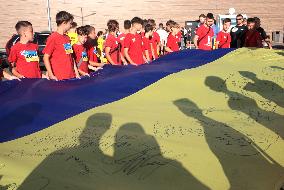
248, 75
188, 107
216, 84
96, 126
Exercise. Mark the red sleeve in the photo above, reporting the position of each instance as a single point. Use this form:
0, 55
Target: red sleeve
145, 44
49, 48
169, 41
13, 55
219, 37
108, 43
127, 41
158, 39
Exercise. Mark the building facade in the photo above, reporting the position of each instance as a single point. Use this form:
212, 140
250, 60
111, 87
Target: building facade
271, 12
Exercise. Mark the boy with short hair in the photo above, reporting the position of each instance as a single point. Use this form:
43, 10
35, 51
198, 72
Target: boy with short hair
121, 37
80, 52
112, 45
173, 39
154, 41
204, 34
133, 50
24, 54
147, 48
58, 52
72, 33
252, 37
224, 38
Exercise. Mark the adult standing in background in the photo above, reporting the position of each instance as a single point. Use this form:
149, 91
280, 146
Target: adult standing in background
238, 32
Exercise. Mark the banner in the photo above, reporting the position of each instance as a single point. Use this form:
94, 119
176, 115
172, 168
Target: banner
191, 120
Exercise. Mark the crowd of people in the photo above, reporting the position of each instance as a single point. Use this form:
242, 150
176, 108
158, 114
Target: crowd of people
72, 51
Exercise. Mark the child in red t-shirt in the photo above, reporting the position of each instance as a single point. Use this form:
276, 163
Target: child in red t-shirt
112, 45
58, 52
224, 38
172, 42
91, 46
121, 37
155, 40
24, 54
147, 45
204, 34
133, 51
252, 38
80, 52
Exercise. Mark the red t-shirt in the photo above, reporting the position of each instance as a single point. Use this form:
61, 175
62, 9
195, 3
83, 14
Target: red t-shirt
205, 35
252, 36
80, 55
26, 60
91, 51
224, 39
155, 40
113, 43
146, 42
134, 44
172, 42
121, 38
60, 50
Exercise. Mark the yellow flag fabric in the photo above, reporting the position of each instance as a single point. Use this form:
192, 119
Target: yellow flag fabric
219, 127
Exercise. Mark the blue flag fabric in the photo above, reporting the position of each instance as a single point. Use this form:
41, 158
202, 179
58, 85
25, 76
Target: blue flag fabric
32, 105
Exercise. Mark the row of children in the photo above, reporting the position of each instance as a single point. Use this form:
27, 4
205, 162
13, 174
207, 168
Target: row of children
139, 44
67, 57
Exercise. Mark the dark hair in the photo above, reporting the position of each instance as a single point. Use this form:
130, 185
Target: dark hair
256, 19
250, 20
161, 25
240, 15
82, 30
152, 22
112, 25
210, 16
127, 24
170, 22
22, 24
148, 28
145, 21
89, 29
175, 25
226, 20
62, 17
202, 16
74, 25
100, 33
137, 20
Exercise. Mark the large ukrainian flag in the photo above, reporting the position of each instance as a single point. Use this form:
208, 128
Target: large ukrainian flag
192, 120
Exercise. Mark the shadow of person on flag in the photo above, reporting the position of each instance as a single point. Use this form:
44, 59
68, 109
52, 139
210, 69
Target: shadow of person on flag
267, 89
248, 106
277, 67
241, 159
137, 162
79, 165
